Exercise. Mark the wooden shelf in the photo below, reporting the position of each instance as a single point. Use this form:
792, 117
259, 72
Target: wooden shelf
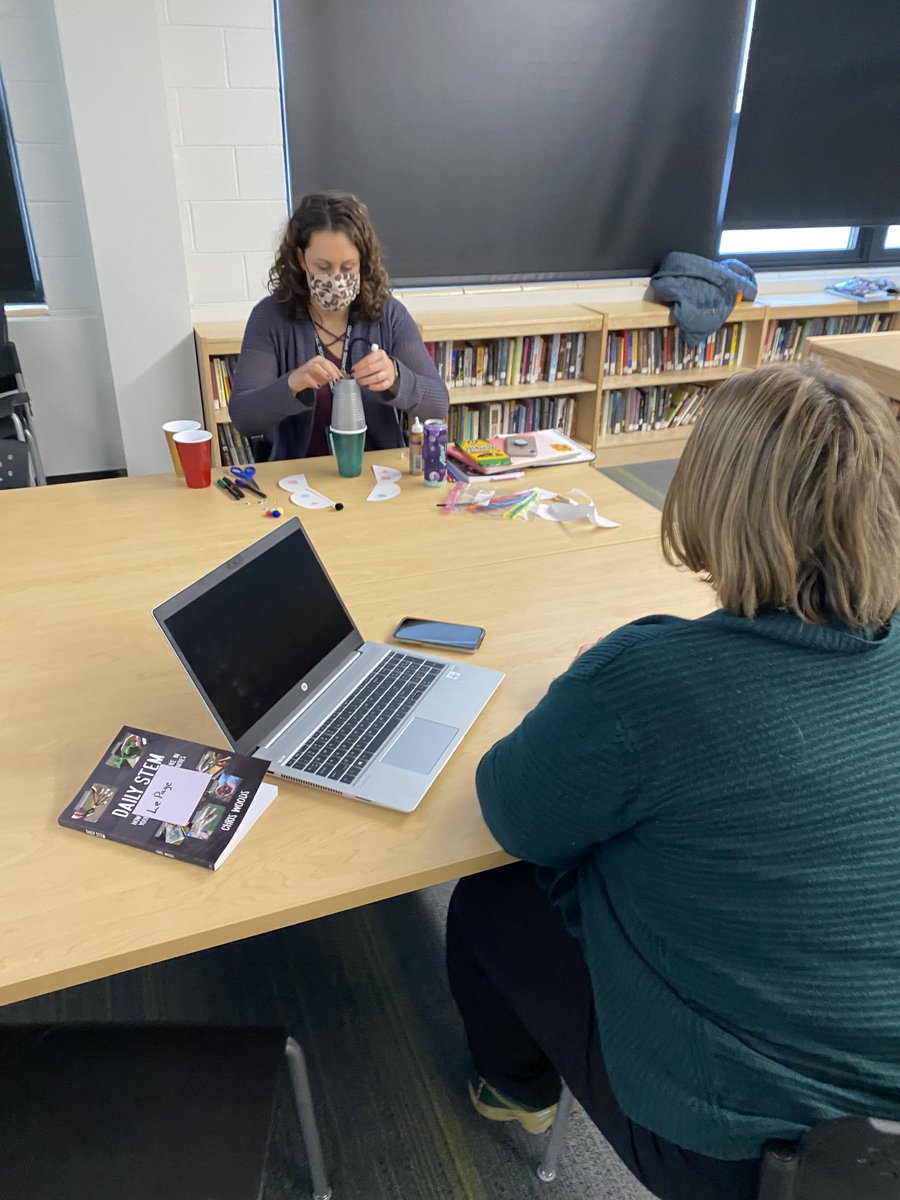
792, 306
491, 393
221, 415
645, 314
673, 378
221, 337
484, 325
679, 433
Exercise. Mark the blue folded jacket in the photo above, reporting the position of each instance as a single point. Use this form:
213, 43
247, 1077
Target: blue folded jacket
701, 292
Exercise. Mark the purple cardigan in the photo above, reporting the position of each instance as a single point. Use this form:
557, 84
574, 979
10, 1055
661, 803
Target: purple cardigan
273, 345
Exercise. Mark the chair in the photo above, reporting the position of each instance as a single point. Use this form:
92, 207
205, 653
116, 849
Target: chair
556, 1142
558, 1132
15, 411
15, 464
850, 1158
141, 1112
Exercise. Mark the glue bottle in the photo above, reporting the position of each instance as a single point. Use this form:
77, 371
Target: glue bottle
416, 439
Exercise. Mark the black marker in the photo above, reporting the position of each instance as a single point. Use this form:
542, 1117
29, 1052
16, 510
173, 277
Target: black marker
249, 484
227, 486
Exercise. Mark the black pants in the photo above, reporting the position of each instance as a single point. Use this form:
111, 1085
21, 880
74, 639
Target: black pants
522, 987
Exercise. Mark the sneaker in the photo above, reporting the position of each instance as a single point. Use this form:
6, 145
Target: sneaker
494, 1106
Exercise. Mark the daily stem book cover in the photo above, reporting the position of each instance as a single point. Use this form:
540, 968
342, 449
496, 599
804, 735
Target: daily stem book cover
205, 792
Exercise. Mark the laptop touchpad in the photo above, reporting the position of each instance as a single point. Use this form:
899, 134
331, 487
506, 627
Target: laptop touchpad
420, 746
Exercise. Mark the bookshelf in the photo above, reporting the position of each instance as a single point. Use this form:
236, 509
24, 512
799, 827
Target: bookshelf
654, 339
591, 393
219, 339
566, 331
222, 339
792, 318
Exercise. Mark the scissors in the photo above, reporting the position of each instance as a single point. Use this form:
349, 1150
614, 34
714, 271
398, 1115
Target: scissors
244, 476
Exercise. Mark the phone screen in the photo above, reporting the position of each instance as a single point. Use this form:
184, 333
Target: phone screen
439, 633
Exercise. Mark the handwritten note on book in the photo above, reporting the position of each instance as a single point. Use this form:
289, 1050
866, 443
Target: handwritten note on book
172, 795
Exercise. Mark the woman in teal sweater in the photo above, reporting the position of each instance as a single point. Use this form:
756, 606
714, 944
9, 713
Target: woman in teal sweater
707, 947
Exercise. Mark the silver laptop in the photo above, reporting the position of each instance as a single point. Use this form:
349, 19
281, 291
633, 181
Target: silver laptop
269, 645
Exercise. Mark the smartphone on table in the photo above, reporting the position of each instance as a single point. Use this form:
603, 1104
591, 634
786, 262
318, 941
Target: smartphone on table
421, 632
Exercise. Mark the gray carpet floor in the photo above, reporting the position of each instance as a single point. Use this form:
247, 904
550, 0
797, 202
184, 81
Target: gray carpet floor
365, 992
648, 480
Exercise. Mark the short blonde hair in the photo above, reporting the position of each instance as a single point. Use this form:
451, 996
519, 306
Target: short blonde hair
787, 496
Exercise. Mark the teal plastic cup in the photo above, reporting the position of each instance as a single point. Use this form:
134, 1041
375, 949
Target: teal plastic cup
347, 449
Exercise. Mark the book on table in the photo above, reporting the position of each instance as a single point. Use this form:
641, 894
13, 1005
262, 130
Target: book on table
180, 799
551, 448
865, 288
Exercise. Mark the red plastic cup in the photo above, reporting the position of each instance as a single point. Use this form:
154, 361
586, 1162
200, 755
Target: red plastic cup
195, 453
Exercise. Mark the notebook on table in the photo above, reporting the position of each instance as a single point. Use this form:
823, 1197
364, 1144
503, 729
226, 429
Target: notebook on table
275, 655
551, 448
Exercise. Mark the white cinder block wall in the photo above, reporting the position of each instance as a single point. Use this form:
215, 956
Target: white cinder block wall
64, 352
221, 74
224, 127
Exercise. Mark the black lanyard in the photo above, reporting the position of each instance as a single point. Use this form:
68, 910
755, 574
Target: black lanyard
345, 353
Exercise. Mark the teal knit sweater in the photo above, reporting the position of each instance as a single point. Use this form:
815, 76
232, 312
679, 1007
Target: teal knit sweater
719, 803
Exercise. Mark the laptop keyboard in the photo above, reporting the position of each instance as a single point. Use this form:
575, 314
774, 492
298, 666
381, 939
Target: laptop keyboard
354, 733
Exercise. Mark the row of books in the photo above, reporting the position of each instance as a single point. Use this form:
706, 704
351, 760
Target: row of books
221, 373
784, 339
655, 351
234, 448
507, 362
470, 422
638, 410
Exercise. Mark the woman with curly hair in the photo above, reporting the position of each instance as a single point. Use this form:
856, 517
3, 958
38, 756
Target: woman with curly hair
330, 313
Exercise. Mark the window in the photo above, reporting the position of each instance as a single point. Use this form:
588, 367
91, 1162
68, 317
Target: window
777, 176
20, 278
790, 241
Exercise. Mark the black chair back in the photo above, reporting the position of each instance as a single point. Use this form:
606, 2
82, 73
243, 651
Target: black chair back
141, 1112
14, 461
852, 1158
10, 369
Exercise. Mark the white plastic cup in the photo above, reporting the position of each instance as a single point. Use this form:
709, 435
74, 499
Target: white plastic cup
170, 429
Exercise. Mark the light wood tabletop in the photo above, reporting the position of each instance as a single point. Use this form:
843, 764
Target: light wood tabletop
872, 357
196, 530
81, 656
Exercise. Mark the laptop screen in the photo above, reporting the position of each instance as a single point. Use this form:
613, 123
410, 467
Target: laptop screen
252, 629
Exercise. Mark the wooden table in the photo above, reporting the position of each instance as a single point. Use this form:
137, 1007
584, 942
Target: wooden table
81, 656
872, 357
